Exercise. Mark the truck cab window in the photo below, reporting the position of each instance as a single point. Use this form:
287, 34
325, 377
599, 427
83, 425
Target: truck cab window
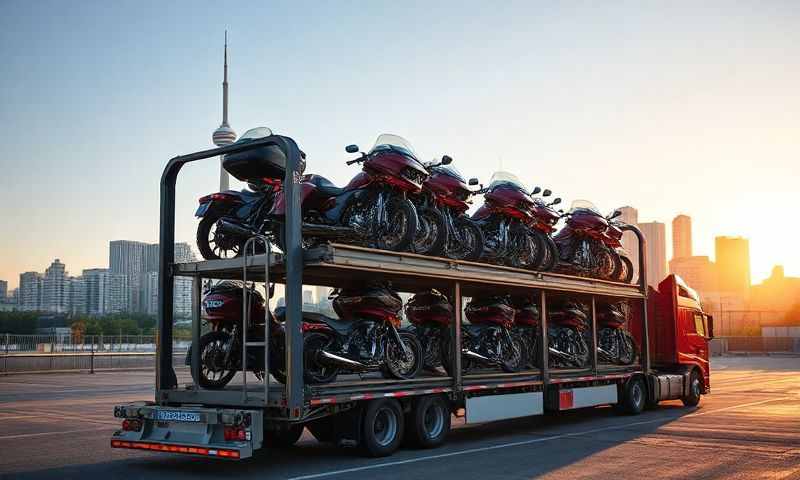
699, 326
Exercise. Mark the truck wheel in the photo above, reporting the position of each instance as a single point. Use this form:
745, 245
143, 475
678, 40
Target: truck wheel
284, 437
382, 427
695, 387
429, 422
634, 396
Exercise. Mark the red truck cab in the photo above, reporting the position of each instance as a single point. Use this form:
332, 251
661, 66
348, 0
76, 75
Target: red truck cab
680, 333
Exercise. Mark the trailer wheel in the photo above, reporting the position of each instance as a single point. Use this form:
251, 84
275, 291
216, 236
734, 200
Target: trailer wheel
429, 422
382, 427
695, 388
634, 396
284, 437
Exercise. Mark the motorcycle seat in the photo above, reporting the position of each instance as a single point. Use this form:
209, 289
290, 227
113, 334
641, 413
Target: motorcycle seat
324, 186
341, 326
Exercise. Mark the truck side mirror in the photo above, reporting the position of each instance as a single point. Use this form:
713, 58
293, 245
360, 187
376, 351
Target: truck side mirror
446, 160
710, 326
536, 190
351, 148
547, 192
473, 181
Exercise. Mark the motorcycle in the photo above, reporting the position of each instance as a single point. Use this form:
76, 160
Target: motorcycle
582, 243
612, 238
444, 228
543, 224
488, 341
566, 334
504, 219
526, 329
430, 314
372, 210
364, 338
221, 348
229, 218
615, 343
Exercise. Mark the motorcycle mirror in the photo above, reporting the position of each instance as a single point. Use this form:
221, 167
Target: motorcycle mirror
446, 160
536, 190
616, 213
473, 181
351, 148
556, 201
547, 192
271, 290
560, 210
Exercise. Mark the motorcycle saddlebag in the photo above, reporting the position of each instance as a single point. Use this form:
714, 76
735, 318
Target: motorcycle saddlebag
263, 162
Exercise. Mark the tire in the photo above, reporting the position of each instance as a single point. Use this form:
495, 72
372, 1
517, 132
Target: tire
402, 223
285, 437
204, 243
431, 236
382, 427
528, 248
695, 390
428, 423
516, 361
471, 249
211, 355
403, 369
608, 264
626, 273
549, 253
313, 371
634, 396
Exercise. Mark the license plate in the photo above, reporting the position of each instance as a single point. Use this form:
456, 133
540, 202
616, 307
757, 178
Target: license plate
177, 416
202, 209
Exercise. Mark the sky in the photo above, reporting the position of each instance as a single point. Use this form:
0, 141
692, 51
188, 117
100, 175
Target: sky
672, 107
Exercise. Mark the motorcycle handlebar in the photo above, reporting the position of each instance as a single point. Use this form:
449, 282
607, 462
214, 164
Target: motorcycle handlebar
350, 162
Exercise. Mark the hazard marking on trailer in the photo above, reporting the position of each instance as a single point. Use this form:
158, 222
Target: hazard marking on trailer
566, 399
590, 378
369, 396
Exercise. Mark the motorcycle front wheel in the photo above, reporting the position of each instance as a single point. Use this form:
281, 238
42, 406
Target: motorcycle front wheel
431, 233
396, 365
401, 225
626, 272
214, 373
514, 354
550, 253
467, 241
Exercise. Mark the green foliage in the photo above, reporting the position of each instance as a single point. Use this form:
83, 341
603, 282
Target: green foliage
18, 322
121, 324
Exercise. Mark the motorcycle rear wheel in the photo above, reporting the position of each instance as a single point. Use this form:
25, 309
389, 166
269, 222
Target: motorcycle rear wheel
402, 225
431, 236
467, 243
211, 244
315, 372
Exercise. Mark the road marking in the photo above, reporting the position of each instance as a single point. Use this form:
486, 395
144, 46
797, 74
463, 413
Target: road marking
525, 442
44, 434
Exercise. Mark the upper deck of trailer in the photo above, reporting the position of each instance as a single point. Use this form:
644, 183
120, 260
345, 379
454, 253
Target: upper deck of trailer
339, 265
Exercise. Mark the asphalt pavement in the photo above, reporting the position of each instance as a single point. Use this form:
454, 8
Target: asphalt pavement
59, 426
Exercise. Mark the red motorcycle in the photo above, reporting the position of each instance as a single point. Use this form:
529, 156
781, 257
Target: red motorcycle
614, 343
586, 248
526, 328
372, 210
612, 238
567, 331
430, 314
444, 228
543, 224
504, 218
221, 348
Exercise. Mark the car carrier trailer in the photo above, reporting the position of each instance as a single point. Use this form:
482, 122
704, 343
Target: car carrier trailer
374, 413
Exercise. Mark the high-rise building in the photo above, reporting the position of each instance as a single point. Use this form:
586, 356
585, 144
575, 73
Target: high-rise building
778, 292
106, 292
55, 288
151, 293
733, 263
682, 236
129, 258
30, 291
3, 290
77, 295
699, 272
630, 243
656, 254
224, 135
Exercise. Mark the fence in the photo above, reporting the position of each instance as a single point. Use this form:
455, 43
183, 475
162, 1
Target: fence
28, 353
755, 345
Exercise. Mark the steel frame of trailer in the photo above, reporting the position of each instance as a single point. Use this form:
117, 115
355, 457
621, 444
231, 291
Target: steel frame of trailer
324, 265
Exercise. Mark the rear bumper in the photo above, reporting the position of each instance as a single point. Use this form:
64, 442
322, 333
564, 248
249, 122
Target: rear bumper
203, 436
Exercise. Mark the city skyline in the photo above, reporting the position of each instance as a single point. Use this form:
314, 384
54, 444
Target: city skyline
660, 123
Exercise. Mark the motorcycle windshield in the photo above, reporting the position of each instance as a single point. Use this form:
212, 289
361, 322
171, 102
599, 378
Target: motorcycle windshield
579, 205
450, 172
506, 179
387, 141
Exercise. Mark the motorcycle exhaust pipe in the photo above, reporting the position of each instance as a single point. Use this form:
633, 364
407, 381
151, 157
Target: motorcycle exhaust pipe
478, 356
339, 361
229, 228
560, 354
327, 231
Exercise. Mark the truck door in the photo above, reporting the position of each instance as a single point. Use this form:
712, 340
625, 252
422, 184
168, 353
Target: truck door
696, 344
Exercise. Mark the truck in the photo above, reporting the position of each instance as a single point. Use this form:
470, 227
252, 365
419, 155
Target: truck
375, 414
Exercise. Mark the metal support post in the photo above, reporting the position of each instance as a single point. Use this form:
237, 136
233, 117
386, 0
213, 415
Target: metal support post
594, 335
643, 287
455, 334
544, 351
197, 286
91, 356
